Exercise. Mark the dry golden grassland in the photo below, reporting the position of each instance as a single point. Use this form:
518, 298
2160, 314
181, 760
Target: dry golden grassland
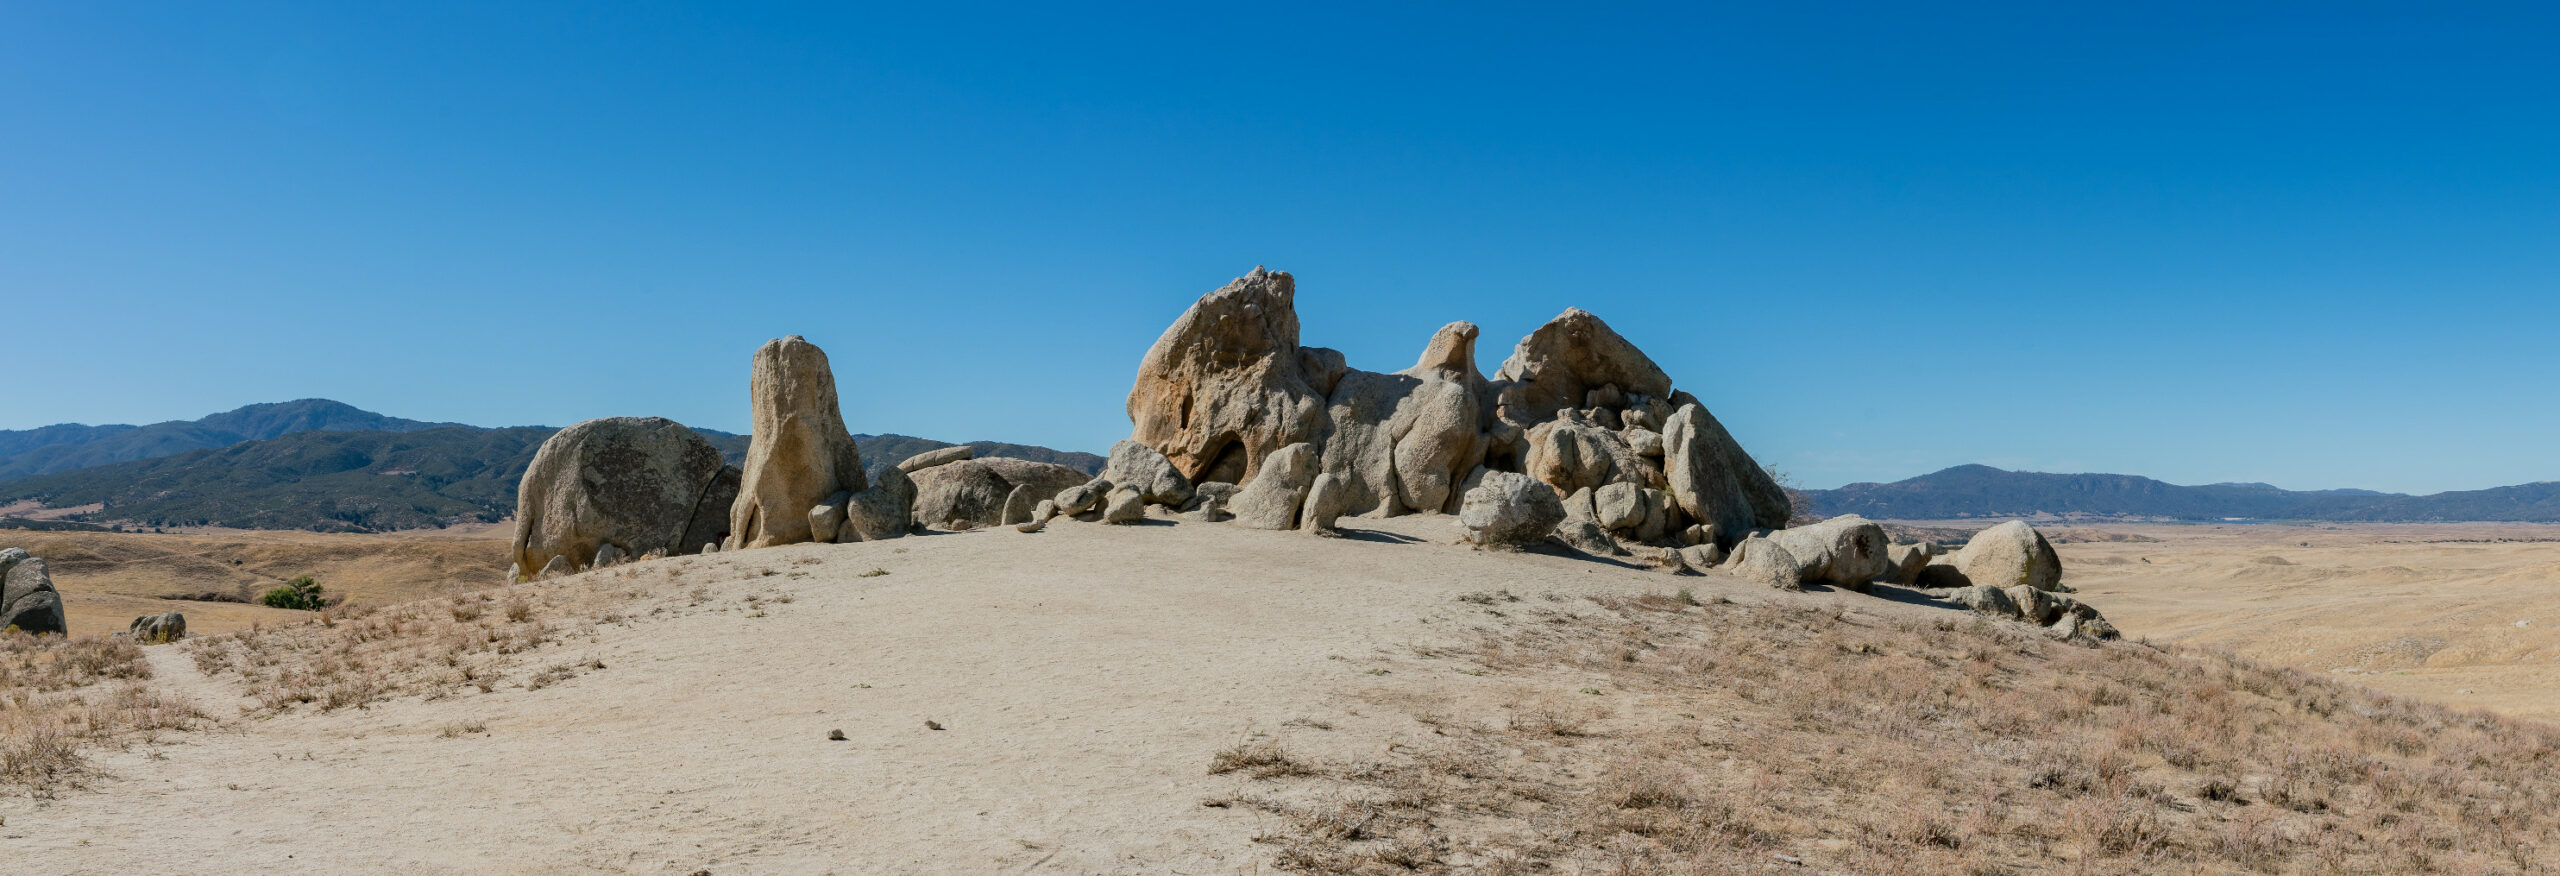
1666, 737
109, 578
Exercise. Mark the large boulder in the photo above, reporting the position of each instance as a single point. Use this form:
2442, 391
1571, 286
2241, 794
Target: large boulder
800, 453
2009, 555
1847, 551
1570, 453
1563, 362
973, 491
1139, 467
1276, 493
1903, 562
637, 483
1226, 386
1401, 441
28, 602
1764, 562
1510, 511
1713, 480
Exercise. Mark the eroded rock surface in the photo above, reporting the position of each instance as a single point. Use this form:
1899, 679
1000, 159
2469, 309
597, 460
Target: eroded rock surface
800, 453
636, 483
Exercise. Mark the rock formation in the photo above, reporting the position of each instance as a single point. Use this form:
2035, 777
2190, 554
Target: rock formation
800, 453
971, 493
1226, 386
28, 602
158, 629
1842, 551
1509, 510
1327, 499
2011, 554
637, 484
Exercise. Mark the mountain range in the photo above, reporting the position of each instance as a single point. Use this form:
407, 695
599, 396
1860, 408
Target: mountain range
322, 465
1983, 491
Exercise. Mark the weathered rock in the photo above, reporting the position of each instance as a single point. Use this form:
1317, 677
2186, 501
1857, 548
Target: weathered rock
1638, 419
1124, 506
800, 453
1763, 561
1083, 497
1139, 467
1713, 481
1903, 562
2012, 554
28, 602
1698, 533
828, 517
1510, 511
1401, 441
558, 566
1045, 511
1645, 442
1207, 509
1619, 506
158, 629
1031, 525
884, 510
1701, 557
1226, 387
1559, 365
939, 456
639, 483
1278, 491
2036, 605
1847, 551
1213, 491
1327, 498
1941, 574
1583, 535
1570, 454
607, 555
1661, 517
1986, 600
975, 490
709, 548
1018, 504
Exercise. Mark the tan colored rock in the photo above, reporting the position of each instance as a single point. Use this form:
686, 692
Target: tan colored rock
2010, 555
1762, 561
1619, 506
1327, 498
1509, 511
558, 567
1847, 551
1226, 386
1569, 454
974, 490
1903, 562
1018, 505
1713, 481
1275, 495
938, 456
1701, 557
884, 510
1083, 497
640, 483
800, 453
828, 517
1124, 506
1401, 441
1563, 362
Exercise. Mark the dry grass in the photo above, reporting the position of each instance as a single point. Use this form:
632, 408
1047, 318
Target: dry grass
58, 695
1735, 738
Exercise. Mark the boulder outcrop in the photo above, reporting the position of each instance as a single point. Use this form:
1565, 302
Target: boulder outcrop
636, 483
1327, 499
973, 491
28, 602
1714, 481
1562, 363
1226, 386
800, 453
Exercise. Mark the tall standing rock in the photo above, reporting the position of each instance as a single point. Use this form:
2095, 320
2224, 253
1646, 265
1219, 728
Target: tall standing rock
639, 484
1273, 498
800, 453
28, 602
1226, 386
1714, 481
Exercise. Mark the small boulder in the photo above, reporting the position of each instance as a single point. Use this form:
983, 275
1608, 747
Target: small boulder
1278, 490
558, 566
1903, 562
2012, 554
1586, 536
1019, 504
159, 629
828, 517
1140, 467
607, 555
1848, 551
931, 458
1044, 511
1762, 561
1124, 506
1031, 525
1619, 506
1083, 497
1220, 492
1701, 557
974, 491
1646, 442
884, 510
2035, 605
1328, 496
1509, 511
1992, 601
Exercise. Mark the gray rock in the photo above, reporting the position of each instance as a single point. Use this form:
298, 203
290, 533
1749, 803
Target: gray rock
1619, 506
1848, 551
1510, 511
558, 567
1213, 491
2035, 605
1124, 506
608, 555
1661, 517
1044, 511
1986, 600
2012, 554
1639, 419
1019, 504
1701, 557
800, 452
28, 602
1587, 537
158, 629
1083, 497
710, 547
1570, 454
884, 510
1207, 509
1327, 498
974, 490
1279, 490
1559, 365
1139, 467
931, 458
1762, 561
1031, 525
1903, 562
642, 483
1714, 481
1646, 442
828, 517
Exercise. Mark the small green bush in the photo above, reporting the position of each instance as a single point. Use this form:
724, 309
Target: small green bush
299, 594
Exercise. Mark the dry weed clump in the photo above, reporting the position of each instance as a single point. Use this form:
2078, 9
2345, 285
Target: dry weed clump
58, 695
352, 656
1747, 737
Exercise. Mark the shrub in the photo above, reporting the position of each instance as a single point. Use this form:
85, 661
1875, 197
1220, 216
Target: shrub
299, 594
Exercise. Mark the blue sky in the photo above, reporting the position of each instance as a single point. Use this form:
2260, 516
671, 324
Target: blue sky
2316, 245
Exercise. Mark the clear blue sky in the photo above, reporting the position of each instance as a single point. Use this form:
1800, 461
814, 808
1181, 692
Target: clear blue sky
2311, 244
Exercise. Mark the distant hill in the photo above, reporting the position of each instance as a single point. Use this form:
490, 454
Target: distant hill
1983, 491
314, 473
69, 446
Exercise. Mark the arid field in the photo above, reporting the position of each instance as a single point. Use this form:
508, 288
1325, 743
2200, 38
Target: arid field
1208, 699
109, 578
